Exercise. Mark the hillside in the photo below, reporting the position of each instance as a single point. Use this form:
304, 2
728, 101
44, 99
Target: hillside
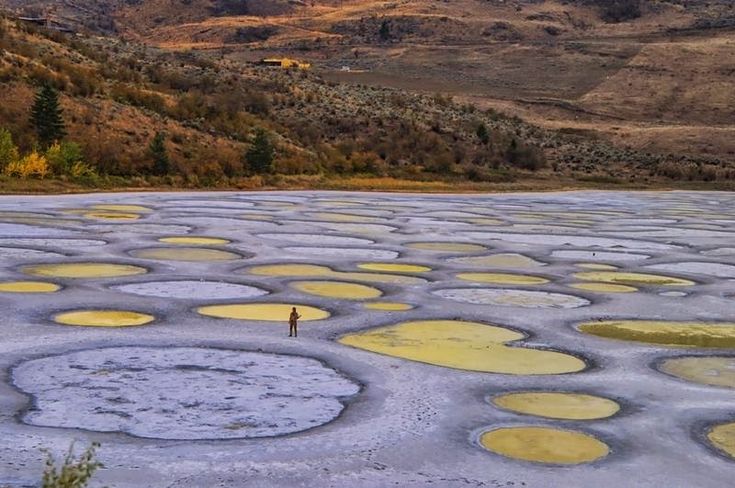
398, 88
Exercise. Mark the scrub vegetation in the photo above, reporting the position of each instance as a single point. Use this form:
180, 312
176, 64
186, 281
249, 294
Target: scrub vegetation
88, 111
72, 472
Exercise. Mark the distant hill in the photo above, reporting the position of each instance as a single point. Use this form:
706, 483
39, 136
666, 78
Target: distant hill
615, 89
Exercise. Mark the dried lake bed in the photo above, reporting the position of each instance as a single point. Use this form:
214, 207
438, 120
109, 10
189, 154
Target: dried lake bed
566, 339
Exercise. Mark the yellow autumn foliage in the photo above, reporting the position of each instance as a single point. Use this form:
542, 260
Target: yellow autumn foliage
32, 165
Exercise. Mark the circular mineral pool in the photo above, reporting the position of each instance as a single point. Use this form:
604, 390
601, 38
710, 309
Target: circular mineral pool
83, 270
182, 393
268, 312
503, 278
337, 289
604, 287
28, 287
705, 370
301, 270
544, 445
342, 252
341, 217
122, 208
500, 261
625, 278
394, 267
659, 332
194, 240
597, 266
722, 438
470, 346
317, 239
103, 318
190, 254
452, 247
558, 405
388, 306
191, 290
512, 298
102, 215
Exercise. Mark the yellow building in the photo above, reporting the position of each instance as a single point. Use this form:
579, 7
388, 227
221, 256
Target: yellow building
285, 63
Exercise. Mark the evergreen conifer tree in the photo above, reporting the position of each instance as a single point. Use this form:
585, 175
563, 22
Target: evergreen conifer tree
483, 134
159, 155
46, 116
259, 157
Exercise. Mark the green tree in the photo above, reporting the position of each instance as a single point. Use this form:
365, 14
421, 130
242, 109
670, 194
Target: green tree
483, 134
62, 157
259, 157
46, 116
8, 149
384, 31
159, 155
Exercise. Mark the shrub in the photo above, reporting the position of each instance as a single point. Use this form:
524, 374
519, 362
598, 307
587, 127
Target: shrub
620, 10
63, 156
72, 473
8, 149
524, 156
32, 165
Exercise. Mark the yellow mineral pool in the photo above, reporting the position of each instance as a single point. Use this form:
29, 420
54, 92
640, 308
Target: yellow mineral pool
463, 345
544, 445
28, 287
83, 270
103, 318
665, 333
558, 405
268, 312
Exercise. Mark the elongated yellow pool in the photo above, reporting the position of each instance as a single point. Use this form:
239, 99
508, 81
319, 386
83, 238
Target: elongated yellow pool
122, 208
625, 278
604, 287
337, 289
190, 254
503, 278
688, 334
107, 215
463, 345
83, 270
394, 267
268, 312
103, 318
195, 240
544, 445
28, 287
558, 405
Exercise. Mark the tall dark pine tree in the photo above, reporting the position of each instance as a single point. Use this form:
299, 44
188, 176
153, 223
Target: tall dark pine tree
46, 116
384, 31
260, 156
483, 134
159, 155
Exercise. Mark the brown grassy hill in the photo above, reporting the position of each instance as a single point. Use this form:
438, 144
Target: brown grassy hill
658, 80
599, 98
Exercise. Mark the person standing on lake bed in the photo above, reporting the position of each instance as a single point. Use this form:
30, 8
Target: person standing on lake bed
293, 323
